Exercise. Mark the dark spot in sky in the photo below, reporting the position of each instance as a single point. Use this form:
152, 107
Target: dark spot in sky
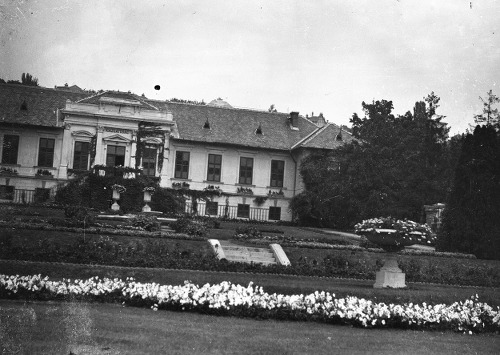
157, 87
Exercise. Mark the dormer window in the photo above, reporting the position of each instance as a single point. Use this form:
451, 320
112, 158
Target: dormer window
339, 135
259, 129
24, 106
207, 124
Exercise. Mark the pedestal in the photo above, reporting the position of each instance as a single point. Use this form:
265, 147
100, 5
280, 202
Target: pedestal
146, 208
115, 206
390, 275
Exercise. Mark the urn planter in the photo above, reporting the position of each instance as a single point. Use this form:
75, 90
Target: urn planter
147, 199
390, 275
116, 196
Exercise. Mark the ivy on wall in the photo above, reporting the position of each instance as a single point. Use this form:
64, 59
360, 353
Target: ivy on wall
148, 130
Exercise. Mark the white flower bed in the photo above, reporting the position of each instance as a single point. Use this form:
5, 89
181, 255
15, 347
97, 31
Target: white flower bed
469, 316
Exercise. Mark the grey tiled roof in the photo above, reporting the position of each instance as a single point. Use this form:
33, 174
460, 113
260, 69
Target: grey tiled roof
32, 105
236, 126
327, 137
227, 125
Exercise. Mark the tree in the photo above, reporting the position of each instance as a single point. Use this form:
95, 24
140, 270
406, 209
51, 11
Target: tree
28, 79
397, 167
471, 221
490, 115
272, 108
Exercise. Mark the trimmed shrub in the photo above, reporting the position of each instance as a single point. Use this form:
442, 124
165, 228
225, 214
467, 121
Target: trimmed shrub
148, 223
190, 226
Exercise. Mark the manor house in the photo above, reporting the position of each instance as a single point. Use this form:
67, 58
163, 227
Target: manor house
252, 156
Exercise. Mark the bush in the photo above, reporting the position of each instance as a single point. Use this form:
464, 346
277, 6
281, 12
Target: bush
163, 200
148, 223
190, 226
79, 214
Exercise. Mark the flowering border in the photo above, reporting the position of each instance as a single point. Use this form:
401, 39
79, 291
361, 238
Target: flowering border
226, 298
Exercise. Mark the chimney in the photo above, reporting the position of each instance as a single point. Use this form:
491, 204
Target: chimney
294, 119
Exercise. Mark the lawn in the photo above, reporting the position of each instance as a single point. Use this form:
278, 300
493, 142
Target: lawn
85, 328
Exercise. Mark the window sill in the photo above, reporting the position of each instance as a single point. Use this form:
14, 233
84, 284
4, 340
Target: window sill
245, 185
11, 165
45, 167
213, 182
276, 188
180, 179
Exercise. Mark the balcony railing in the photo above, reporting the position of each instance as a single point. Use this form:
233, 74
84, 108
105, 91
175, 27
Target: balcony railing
231, 212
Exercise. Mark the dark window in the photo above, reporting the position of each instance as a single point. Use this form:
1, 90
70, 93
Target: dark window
149, 161
277, 172
46, 152
214, 167
212, 208
181, 165
115, 155
42, 195
81, 156
6, 192
246, 171
10, 149
243, 211
274, 213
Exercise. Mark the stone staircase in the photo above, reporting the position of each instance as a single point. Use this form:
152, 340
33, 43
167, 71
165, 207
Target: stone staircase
244, 254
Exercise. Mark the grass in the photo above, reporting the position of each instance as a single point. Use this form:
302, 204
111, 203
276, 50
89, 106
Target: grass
84, 328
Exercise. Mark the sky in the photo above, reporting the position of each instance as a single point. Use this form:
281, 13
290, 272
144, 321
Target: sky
307, 56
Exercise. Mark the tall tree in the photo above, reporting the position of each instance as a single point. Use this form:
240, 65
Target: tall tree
395, 169
28, 79
490, 114
471, 221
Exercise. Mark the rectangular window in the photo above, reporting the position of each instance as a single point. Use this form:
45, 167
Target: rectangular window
274, 213
246, 171
81, 156
181, 165
214, 167
10, 149
115, 155
212, 208
6, 192
277, 173
46, 152
243, 211
149, 161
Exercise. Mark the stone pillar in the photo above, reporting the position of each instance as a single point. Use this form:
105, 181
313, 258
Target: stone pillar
99, 149
133, 149
66, 150
166, 158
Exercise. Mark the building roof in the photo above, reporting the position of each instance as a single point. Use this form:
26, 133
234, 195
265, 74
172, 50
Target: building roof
33, 105
72, 88
30, 105
235, 126
119, 98
329, 136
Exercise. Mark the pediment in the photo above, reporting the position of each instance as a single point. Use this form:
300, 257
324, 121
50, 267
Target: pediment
151, 140
117, 138
82, 134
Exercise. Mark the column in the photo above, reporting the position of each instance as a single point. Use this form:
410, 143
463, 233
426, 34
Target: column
66, 150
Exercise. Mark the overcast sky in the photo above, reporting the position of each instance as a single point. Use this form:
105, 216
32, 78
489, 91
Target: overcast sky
321, 56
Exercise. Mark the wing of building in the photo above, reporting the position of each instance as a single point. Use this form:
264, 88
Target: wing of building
46, 134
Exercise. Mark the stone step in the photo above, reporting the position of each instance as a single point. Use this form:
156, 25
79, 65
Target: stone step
257, 261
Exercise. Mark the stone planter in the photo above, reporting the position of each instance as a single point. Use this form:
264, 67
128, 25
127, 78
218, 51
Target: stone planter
116, 196
389, 275
147, 199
